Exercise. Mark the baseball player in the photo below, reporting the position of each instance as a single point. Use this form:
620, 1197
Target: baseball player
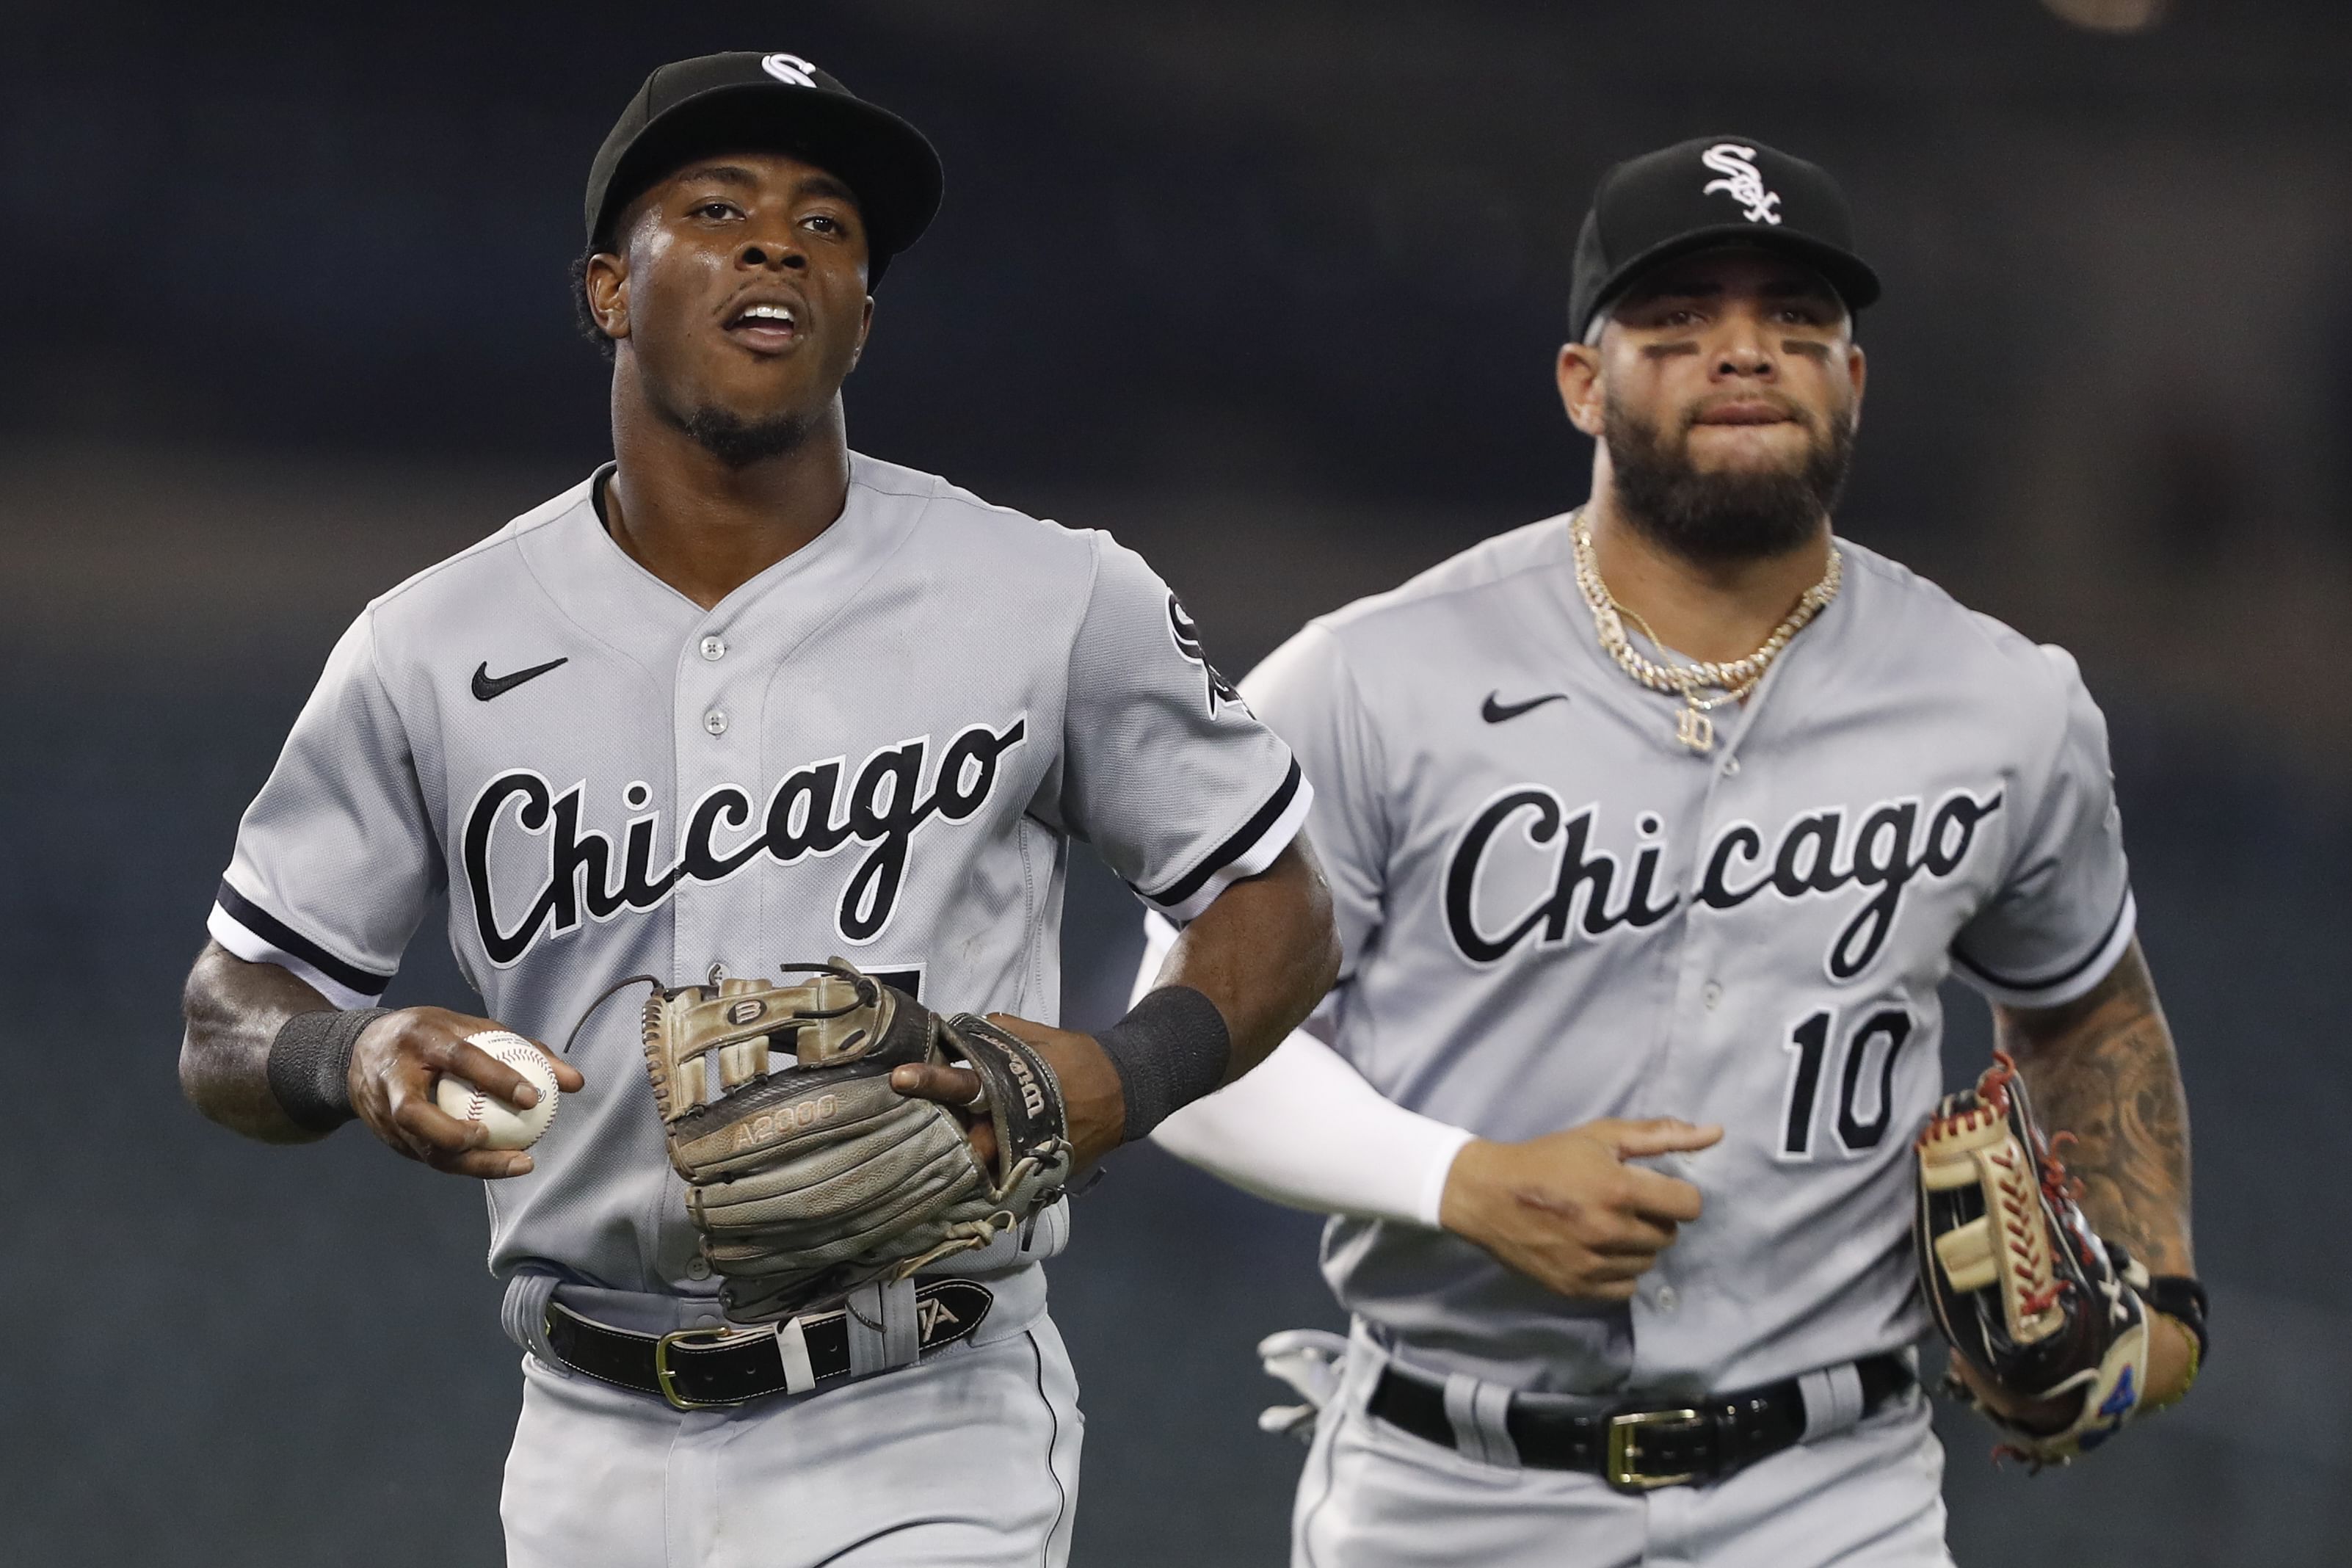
741, 698
1653, 829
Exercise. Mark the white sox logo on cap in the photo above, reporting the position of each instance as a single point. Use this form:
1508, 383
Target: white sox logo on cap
1742, 181
794, 71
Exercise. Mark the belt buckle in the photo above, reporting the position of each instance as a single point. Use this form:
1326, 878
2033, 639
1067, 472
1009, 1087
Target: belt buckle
1623, 1470
665, 1377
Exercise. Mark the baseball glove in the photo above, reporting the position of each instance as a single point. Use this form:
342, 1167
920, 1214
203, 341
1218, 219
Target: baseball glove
2029, 1296
807, 1174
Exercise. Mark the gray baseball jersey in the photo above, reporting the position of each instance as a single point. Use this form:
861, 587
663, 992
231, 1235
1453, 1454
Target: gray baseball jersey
1554, 910
879, 747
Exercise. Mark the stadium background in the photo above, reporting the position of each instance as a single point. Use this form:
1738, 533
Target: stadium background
1270, 289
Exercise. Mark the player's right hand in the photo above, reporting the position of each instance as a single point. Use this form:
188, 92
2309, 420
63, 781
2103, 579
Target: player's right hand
396, 1064
1567, 1211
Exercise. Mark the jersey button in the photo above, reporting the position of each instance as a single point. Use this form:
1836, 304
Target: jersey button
1668, 1298
698, 1268
714, 649
1731, 767
1712, 996
714, 721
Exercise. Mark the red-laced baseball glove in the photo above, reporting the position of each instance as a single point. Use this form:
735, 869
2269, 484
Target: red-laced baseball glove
2030, 1297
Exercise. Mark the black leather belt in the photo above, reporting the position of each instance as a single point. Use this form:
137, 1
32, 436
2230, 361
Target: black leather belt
704, 1369
1637, 1450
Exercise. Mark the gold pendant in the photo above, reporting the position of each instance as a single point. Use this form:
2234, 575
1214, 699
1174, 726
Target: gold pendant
1695, 730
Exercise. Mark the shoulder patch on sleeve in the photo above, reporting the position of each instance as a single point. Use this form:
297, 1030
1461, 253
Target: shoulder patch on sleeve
1186, 634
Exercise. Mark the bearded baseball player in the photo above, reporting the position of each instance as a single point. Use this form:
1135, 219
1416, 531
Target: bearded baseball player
1653, 828
789, 744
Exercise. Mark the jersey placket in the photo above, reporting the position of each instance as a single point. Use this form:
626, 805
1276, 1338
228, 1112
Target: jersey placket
1678, 1313
725, 669
715, 724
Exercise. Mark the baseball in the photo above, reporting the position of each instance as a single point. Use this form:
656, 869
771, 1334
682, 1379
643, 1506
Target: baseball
507, 1127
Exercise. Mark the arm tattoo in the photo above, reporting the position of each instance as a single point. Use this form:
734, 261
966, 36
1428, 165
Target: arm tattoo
2103, 1068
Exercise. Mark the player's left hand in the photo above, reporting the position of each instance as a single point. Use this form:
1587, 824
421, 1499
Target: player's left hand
2169, 1348
1090, 1088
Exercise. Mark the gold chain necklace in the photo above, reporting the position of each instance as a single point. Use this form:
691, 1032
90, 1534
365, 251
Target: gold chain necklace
1731, 679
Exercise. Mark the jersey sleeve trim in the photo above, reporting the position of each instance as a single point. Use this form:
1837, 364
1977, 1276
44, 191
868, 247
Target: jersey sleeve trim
2068, 984
256, 935
1247, 852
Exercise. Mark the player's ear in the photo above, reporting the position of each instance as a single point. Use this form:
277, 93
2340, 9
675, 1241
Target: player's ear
865, 325
1858, 369
1579, 374
607, 283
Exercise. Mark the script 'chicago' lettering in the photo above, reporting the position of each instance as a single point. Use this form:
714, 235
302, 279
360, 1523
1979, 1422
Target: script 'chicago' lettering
809, 813
1814, 856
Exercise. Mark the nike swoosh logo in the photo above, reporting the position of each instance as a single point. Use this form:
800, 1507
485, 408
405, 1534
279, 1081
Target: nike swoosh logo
1494, 712
487, 686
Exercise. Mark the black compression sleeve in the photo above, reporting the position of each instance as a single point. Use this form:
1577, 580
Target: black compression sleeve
1170, 1051
311, 1064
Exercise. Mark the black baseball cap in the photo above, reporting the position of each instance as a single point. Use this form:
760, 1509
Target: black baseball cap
1711, 191
746, 101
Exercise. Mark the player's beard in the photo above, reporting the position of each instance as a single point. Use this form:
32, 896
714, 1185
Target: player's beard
738, 442
735, 440
1724, 516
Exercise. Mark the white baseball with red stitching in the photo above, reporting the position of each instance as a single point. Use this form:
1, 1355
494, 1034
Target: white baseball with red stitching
507, 1127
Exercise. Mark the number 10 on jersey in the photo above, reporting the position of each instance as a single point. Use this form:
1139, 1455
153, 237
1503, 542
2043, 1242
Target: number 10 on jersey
1864, 1079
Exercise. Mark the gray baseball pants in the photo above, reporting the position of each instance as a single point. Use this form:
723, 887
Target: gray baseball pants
1373, 1496
968, 1460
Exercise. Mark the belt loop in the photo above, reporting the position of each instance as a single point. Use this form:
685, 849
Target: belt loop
791, 1349
884, 1331
523, 1312
1479, 1412
1832, 1399
1491, 1405
902, 1329
863, 1321
1047, 1232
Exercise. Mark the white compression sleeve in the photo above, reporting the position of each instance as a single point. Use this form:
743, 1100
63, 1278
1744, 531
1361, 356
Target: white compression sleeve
1304, 1129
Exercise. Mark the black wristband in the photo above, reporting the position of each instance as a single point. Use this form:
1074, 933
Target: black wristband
311, 1065
1170, 1051
2181, 1299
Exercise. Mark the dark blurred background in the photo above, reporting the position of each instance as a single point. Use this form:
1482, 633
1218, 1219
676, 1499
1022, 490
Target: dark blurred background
1270, 289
